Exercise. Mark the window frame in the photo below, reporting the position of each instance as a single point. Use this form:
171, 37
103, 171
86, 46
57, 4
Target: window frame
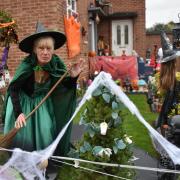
71, 7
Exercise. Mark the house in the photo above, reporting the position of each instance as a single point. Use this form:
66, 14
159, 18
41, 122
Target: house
120, 22
51, 13
154, 38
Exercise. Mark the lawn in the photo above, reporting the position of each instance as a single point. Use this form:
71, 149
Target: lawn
135, 128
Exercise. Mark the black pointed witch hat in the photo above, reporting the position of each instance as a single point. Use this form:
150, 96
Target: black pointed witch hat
27, 43
168, 52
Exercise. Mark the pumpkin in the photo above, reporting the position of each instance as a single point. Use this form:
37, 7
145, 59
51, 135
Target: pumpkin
92, 53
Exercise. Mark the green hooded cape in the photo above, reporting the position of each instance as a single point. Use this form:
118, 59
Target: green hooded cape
63, 97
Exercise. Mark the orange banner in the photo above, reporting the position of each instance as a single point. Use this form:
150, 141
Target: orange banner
72, 30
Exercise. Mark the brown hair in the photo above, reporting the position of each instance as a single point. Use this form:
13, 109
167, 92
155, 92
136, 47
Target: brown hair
167, 75
178, 64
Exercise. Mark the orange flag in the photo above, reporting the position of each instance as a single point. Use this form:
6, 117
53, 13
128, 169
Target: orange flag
72, 30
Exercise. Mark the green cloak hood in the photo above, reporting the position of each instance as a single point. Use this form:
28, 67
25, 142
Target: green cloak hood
63, 98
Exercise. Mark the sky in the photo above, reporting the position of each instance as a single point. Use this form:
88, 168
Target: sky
162, 11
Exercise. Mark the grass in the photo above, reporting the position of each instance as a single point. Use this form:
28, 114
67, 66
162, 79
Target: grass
135, 128
78, 115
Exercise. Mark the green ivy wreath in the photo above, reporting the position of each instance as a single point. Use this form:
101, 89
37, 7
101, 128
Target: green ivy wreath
7, 33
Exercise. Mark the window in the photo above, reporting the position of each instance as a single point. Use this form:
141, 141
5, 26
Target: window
71, 7
118, 35
126, 32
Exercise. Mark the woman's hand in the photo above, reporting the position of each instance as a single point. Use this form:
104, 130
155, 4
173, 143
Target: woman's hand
75, 69
20, 121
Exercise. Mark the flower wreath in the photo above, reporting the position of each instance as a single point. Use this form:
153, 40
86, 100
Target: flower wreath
7, 30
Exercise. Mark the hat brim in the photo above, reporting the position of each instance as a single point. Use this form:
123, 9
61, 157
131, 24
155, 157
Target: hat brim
27, 43
170, 58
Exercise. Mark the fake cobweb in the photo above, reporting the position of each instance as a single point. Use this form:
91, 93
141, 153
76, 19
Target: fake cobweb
27, 163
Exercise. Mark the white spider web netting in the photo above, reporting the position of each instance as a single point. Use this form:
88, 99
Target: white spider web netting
27, 163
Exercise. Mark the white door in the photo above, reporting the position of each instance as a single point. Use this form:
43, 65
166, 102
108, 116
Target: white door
122, 37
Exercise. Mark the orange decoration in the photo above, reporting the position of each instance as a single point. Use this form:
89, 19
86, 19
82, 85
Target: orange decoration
92, 54
72, 30
3, 25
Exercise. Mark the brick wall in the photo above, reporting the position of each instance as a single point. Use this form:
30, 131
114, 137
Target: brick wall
137, 6
50, 13
154, 39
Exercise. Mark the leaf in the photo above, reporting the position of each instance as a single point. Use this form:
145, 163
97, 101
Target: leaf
96, 150
114, 105
117, 121
73, 153
81, 122
95, 127
115, 149
91, 132
87, 146
117, 99
121, 106
106, 97
85, 111
87, 126
114, 115
82, 149
106, 90
120, 144
110, 123
96, 92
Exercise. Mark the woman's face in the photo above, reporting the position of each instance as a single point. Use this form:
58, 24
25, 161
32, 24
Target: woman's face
44, 49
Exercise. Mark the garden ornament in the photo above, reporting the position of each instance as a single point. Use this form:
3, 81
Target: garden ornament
103, 128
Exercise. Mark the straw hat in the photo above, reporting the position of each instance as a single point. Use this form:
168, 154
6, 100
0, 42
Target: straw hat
27, 43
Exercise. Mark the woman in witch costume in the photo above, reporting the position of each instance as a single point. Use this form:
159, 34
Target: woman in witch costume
169, 82
34, 77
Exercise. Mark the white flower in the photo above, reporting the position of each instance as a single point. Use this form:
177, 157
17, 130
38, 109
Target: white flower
108, 152
76, 163
128, 140
105, 151
103, 128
